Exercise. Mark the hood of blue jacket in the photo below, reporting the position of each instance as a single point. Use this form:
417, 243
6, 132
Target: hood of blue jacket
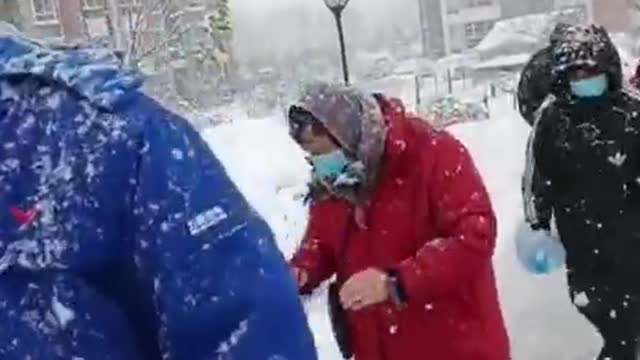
94, 73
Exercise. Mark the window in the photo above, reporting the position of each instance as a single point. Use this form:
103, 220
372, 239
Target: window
476, 31
455, 6
92, 4
471, 30
476, 3
129, 2
44, 11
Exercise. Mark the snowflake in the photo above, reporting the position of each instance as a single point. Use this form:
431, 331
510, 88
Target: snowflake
618, 159
177, 154
63, 314
581, 299
235, 338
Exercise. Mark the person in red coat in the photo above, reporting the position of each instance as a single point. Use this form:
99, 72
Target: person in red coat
400, 215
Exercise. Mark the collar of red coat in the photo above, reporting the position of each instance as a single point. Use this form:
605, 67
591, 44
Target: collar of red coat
397, 141
396, 146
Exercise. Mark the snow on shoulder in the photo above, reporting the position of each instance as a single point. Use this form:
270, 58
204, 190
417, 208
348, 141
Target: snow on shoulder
94, 73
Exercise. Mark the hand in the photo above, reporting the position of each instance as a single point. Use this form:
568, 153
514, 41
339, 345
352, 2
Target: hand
364, 289
301, 276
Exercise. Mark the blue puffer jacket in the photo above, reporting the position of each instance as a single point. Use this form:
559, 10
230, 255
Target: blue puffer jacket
121, 236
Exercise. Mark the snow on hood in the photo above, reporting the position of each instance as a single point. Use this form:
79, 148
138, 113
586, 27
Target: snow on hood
355, 119
95, 73
588, 45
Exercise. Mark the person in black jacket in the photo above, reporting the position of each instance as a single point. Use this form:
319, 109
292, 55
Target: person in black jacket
535, 81
586, 154
533, 94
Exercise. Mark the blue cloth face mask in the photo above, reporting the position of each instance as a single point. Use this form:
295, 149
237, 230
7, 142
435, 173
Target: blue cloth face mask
329, 165
591, 87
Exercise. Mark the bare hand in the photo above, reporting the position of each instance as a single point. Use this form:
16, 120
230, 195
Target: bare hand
301, 277
364, 289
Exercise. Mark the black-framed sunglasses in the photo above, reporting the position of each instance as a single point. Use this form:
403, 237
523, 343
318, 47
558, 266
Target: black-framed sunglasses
299, 119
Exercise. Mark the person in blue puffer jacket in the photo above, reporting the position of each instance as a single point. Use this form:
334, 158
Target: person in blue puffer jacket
121, 235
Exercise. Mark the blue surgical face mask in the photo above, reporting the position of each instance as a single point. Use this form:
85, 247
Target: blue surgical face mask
590, 88
329, 165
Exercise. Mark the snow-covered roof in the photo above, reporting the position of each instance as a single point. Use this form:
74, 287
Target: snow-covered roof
414, 66
8, 29
503, 61
457, 61
529, 30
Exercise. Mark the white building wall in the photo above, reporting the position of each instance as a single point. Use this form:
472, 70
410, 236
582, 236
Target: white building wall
467, 21
586, 5
457, 18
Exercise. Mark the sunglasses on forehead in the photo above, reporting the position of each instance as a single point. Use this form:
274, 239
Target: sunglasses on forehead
299, 119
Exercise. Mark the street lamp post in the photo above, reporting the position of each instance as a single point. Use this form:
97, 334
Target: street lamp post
336, 7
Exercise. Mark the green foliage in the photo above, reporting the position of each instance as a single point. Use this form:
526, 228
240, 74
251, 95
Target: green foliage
220, 20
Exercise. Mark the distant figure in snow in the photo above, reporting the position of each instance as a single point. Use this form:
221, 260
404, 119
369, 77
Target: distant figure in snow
485, 102
585, 150
635, 79
400, 215
533, 94
535, 81
121, 235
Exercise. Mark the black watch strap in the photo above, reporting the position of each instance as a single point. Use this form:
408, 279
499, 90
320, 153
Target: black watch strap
397, 290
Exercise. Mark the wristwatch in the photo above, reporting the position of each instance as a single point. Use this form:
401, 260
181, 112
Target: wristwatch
396, 289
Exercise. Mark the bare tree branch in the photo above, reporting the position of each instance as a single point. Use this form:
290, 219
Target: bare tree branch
139, 22
176, 32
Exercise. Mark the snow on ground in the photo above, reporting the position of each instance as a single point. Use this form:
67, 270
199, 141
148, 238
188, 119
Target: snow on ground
260, 151
542, 322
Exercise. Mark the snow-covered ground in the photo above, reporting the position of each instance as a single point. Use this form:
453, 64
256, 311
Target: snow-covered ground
542, 322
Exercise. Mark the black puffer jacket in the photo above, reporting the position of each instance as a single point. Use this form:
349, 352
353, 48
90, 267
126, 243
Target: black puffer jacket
534, 93
536, 78
587, 153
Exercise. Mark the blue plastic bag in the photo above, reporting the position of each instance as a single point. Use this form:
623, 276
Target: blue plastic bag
540, 252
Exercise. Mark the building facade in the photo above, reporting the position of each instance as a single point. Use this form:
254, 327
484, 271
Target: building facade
615, 15
81, 20
453, 26
170, 40
515, 8
585, 7
57, 20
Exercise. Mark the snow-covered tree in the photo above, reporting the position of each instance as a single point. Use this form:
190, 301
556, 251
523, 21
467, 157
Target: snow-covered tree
146, 28
220, 19
221, 31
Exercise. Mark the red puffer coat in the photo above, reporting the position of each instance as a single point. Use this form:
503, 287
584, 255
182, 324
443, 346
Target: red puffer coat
430, 219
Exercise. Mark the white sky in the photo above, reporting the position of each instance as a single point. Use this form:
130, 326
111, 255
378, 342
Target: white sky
262, 5
308, 23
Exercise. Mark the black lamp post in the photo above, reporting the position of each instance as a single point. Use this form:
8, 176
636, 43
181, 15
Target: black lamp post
336, 7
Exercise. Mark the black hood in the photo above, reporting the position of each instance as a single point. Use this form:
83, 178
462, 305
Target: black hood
536, 80
557, 34
585, 46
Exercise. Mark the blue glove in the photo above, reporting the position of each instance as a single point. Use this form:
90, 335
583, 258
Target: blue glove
540, 252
